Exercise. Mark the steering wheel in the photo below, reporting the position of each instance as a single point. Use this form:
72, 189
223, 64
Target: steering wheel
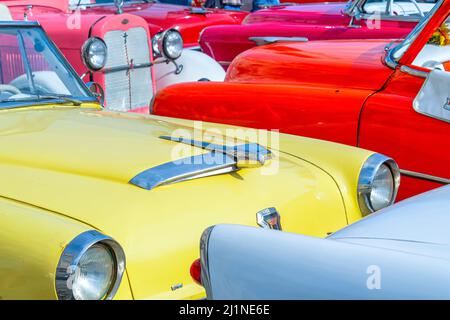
9, 88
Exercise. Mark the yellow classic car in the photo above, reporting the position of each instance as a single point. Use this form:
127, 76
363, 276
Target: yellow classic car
103, 205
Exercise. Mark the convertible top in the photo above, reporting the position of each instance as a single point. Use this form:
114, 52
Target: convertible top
5, 15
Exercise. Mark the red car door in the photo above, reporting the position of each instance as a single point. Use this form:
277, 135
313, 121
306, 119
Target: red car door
395, 120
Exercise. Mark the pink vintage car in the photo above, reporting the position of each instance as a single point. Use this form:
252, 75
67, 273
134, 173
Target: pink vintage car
131, 49
357, 19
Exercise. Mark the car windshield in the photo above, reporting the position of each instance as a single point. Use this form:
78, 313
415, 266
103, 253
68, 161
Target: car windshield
398, 7
32, 69
397, 52
76, 3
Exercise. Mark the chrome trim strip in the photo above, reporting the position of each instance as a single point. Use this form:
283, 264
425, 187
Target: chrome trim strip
73, 252
424, 176
260, 41
245, 155
205, 275
195, 48
19, 23
194, 167
224, 63
414, 72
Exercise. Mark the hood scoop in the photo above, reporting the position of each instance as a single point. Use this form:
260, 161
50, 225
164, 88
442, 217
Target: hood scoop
220, 160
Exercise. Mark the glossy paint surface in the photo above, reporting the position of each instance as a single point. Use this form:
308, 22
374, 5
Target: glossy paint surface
339, 90
355, 64
320, 101
418, 143
394, 242
262, 107
166, 16
158, 229
324, 21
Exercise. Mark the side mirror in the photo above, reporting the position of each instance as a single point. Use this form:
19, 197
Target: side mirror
97, 91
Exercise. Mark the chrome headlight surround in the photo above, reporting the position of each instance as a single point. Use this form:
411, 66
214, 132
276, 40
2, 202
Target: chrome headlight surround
66, 271
168, 44
155, 44
375, 165
94, 48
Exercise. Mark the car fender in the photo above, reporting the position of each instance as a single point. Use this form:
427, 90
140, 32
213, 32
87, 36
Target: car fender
194, 66
248, 263
32, 239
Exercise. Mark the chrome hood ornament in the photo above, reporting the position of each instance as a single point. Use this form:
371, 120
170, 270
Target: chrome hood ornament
119, 5
269, 218
221, 160
262, 41
245, 155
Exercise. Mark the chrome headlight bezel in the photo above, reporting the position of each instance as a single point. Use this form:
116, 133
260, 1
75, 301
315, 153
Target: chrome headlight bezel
156, 45
87, 56
71, 256
160, 44
367, 177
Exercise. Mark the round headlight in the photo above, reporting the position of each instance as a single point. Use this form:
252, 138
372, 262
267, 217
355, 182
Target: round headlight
172, 44
90, 268
94, 53
378, 183
155, 44
94, 274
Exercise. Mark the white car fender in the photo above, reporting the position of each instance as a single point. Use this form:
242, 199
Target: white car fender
195, 66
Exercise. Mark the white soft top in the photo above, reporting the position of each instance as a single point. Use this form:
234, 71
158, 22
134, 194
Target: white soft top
5, 15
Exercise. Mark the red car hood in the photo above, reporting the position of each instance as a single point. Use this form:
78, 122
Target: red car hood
343, 64
162, 16
320, 13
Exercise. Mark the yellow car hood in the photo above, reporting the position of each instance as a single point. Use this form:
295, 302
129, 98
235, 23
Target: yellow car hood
77, 163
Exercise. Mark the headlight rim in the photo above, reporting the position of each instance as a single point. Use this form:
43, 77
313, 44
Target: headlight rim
162, 48
367, 176
156, 42
72, 255
85, 53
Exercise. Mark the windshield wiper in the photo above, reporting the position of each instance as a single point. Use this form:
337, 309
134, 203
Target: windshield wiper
73, 101
36, 98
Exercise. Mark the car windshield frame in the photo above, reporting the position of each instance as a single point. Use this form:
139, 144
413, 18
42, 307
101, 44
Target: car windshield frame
355, 8
53, 49
395, 54
111, 3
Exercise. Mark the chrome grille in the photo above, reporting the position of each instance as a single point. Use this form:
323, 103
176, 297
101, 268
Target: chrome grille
128, 81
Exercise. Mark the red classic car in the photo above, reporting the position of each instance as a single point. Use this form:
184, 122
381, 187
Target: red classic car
160, 16
357, 19
389, 97
129, 56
